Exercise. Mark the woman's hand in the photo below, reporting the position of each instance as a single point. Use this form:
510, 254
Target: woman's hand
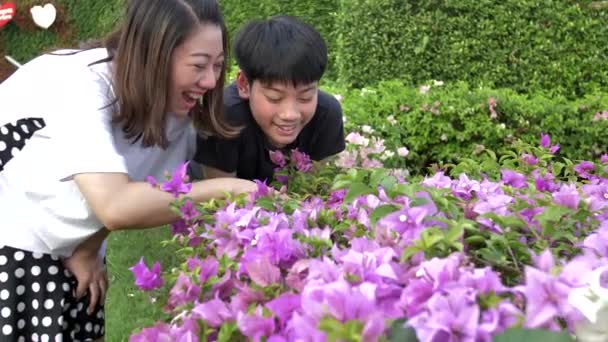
91, 275
239, 186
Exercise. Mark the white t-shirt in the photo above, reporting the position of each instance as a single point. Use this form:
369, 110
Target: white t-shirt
41, 208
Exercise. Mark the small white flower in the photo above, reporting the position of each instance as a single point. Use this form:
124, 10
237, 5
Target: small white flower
403, 151
424, 89
443, 137
338, 97
592, 301
366, 129
387, 154
437, 83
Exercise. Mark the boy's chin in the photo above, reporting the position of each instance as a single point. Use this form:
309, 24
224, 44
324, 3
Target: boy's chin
281, 141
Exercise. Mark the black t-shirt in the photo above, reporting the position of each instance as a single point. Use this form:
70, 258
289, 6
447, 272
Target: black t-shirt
248, 154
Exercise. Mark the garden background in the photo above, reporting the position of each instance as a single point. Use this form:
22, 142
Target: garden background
447, 79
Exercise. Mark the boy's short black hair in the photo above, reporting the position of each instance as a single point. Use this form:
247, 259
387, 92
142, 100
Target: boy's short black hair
281, 48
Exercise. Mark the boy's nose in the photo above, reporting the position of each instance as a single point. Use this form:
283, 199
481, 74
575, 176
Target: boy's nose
290, 114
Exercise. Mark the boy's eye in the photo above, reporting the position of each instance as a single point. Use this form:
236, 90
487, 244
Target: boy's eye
305, 100
273, 99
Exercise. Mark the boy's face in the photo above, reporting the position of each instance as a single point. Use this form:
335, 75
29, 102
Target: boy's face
281, 110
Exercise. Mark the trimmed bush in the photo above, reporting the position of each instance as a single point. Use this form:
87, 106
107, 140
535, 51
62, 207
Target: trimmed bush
79, 20
556, 46
439, 124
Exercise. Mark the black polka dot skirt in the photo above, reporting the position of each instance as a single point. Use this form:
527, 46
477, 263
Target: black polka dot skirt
14, 135
37, 301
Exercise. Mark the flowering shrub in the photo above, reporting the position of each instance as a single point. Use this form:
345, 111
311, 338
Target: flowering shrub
443, 122
506, 249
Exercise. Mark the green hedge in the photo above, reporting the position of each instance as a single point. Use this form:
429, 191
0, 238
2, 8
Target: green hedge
454, 120
555, 46
559, 46
84, 19
319, 13
77, 20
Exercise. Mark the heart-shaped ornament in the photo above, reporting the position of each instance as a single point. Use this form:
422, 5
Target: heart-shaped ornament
7, 12
44, 16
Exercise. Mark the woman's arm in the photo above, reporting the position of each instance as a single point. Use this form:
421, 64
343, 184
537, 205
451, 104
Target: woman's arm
122, 204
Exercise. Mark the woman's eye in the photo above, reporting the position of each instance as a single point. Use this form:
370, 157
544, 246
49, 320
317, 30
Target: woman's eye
199, 66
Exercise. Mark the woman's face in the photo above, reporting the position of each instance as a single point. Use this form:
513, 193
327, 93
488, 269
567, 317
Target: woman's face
196, 66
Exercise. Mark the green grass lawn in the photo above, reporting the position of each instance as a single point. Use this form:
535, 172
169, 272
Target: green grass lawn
128, 308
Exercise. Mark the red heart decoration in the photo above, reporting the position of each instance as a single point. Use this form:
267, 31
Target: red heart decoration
7, 12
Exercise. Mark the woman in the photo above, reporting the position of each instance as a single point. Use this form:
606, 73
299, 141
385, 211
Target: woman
101, 120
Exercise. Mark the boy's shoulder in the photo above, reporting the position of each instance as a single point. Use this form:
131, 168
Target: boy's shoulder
329, 104
236, 109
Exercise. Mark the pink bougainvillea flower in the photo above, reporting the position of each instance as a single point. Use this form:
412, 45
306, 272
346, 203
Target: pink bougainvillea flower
145, 278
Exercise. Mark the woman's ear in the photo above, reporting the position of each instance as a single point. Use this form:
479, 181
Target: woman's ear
242, 84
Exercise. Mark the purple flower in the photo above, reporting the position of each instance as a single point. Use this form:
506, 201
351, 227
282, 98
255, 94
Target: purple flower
179, 227
553, 149
188, 211
336, 198
159, 332
262, 272
278, 158
583, 168
176, 185
439, 180
597, 195
604, 158
465, 187
545, 140
263, 189
152, 181
545, 183
207, 267
597, 242
453, 316
255, 326
184, 291
514, 179
284, 306
408, 222
545, 298
145, 278
567, 196
529, 159
213, 312
302, 160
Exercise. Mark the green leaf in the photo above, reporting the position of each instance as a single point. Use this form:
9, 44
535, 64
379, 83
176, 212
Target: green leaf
226, 332
430, 237
400, 333
266, 203
388, 183
381, 211
419, 201
552, 214
454, 233
536, 335
377, 176
341, 184
357, 189
410, 251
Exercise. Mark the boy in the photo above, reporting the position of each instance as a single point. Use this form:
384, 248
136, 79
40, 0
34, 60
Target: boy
276, 101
